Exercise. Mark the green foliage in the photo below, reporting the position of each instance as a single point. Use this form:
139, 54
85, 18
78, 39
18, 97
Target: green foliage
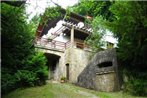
68, 12
21, 65
25, 78
135, 83
34, 22
136, 87
94, 8
130, 28
95, 39
127, 20
8, 81
50, 14
98, 10
63, 78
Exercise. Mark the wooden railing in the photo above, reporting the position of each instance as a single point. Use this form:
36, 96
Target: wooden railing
51, 44
57, 45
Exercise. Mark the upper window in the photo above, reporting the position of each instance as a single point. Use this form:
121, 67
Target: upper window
110, 45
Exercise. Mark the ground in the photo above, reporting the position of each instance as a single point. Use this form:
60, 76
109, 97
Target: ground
63, 90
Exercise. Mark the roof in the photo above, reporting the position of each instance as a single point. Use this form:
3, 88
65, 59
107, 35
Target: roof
73, 18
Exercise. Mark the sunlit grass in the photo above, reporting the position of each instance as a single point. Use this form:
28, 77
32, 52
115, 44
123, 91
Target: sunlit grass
65, 90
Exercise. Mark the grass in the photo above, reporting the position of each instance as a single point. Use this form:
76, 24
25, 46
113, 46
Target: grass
66, 90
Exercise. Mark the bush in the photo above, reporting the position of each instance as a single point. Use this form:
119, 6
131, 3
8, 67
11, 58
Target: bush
63, 78
25, 78
136, 84
32, 72
8, 82
21, 65
136, 87
37, 64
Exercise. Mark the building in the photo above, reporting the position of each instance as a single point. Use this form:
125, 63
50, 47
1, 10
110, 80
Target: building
62, 41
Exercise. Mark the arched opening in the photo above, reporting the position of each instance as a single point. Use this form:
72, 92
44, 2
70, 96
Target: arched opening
52, 63
67, 71
105, 64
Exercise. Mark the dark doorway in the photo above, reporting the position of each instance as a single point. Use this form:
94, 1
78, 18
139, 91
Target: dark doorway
67, 71
52, 63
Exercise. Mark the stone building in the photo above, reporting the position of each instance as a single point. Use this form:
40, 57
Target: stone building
62, 42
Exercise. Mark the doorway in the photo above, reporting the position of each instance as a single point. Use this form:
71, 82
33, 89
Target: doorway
67, 71
52, 64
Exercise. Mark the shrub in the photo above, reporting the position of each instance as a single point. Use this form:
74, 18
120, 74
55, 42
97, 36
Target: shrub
37, 64
136, 84
136, 87
8, 82
21, 65
32, 72
25, 78
63, 79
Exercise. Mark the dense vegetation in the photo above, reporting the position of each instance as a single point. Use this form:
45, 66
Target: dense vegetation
21, 65
128, 21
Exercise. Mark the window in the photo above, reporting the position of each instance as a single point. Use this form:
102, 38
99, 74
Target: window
110, 45
105, 64
80, 45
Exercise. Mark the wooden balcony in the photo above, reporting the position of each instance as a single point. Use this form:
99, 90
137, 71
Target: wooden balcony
57, 45
51, 44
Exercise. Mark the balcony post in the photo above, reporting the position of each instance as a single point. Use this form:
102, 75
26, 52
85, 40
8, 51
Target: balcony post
72, 37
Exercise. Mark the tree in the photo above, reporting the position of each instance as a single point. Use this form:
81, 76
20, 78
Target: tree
94, 8
21, 64
130, 26
127, 20
99, 11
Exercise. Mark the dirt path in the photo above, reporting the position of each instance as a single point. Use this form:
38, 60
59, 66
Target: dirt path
87, 94
74, 90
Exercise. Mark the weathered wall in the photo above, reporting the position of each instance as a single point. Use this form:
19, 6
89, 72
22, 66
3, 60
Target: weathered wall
101, 79
79, 60
75, 57
60, 65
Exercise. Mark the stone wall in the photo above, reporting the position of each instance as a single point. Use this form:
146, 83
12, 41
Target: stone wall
79, 60
75, 57
60, 69
99, 75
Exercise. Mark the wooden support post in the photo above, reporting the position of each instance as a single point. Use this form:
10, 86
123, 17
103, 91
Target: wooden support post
72, 37
64, 45
71, 54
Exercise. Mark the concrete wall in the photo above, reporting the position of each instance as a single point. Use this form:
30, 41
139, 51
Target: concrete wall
75, 57
78, 60
101, 78
106, 82
60, 65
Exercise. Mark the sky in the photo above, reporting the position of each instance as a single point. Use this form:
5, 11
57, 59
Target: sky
38, 6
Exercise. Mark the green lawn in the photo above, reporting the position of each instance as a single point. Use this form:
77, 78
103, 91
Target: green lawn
65, 90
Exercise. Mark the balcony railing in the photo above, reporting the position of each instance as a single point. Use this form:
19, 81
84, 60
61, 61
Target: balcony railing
51, 44
58, 45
